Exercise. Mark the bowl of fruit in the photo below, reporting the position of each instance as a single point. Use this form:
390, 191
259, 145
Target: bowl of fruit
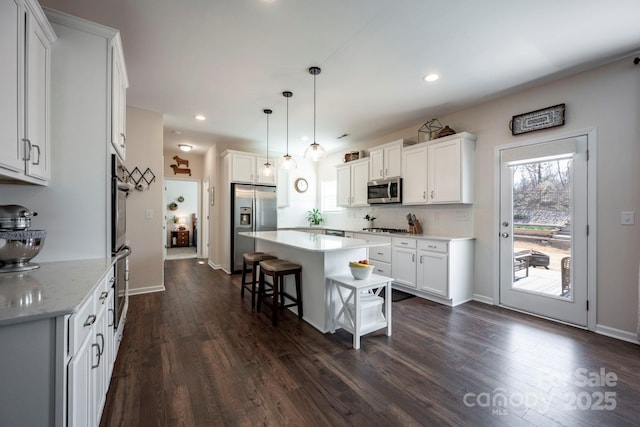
361, 270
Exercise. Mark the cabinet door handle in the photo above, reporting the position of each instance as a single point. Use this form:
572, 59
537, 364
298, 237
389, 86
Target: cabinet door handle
27, 151
99, 356
101, 348
381, 175
421, 259
380, 253
424, 195
432, 194
431, 246
113, 317
404, 243
386, 171
413, 258
36, 162
90, 320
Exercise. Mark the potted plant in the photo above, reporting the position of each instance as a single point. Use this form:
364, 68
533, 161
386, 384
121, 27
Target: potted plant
314, 217
175, 223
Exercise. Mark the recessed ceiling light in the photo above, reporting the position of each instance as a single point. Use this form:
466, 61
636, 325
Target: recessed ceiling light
431, 77
199, 117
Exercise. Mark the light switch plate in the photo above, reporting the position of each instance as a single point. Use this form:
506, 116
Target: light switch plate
627, 218
149, 214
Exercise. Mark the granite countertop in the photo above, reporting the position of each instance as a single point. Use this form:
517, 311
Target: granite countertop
54, 289
312, 242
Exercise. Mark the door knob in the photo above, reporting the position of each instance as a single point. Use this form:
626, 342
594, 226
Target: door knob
505, 235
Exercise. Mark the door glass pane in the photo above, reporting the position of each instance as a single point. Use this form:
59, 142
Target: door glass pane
542, 217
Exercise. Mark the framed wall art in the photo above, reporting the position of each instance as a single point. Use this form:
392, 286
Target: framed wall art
539, 119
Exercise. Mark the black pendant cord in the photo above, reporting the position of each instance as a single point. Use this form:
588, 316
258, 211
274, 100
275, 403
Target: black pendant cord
287, 94
314, 108
267, 112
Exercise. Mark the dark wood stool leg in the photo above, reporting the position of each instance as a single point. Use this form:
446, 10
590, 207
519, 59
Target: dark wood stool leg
260, 289
244, 277
274, 306
299, 293
253, 283
282, 284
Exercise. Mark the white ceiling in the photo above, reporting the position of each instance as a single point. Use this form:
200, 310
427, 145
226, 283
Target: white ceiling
230, 59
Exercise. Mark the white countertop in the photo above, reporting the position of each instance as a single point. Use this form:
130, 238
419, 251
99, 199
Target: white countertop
386, 233
312, 242
54, 289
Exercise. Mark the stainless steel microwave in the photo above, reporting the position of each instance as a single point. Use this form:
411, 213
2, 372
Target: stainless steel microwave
384, 191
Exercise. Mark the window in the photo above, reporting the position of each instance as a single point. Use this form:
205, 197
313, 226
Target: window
328, 196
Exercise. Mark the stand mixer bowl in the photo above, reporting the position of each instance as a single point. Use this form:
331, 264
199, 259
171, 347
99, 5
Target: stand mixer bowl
18, 248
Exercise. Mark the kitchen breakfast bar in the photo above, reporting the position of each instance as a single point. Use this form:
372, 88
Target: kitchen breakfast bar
320, 256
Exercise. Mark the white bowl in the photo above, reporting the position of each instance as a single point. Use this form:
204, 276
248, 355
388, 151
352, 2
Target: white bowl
361, 273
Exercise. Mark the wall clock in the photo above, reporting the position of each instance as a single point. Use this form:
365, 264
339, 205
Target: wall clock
301, 185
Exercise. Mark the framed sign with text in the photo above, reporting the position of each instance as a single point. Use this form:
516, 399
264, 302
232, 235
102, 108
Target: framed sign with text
540, 119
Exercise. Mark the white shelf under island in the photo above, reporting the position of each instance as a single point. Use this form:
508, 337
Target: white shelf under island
320, 256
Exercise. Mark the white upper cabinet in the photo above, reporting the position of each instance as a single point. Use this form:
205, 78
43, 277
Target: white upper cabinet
414, 175
245, 168
352, 181
25, 37
385, 161
450, 169
119, 85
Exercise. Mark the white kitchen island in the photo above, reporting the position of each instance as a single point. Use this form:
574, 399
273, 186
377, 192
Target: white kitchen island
320, 256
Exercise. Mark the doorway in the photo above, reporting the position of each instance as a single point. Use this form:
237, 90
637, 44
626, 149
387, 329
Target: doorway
543, 235
182, 218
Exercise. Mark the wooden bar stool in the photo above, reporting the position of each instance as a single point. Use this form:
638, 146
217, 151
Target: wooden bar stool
278, 269
253, 259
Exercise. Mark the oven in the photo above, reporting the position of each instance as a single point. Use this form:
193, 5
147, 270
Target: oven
119, 250
384, 191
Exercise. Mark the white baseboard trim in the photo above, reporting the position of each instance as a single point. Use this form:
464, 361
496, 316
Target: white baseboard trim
483, 299
217, 266
146, 290
617, 333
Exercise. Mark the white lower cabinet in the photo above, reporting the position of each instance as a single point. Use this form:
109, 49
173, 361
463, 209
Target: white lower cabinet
92, 356
404, 261
440, 270
433, 268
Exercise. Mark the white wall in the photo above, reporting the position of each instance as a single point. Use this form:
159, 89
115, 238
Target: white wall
607, 98
299, 203
145, 235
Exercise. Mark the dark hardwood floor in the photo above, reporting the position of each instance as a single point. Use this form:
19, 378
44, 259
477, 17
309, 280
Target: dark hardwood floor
196, 355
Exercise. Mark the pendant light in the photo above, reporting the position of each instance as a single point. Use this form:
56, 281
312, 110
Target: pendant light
267, 168
288, 163
314, 151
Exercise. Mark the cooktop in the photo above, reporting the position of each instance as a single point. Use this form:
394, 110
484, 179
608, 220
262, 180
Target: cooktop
384, 230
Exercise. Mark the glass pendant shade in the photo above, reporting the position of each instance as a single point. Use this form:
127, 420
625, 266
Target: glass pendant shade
267, 168
288, 163
314, 152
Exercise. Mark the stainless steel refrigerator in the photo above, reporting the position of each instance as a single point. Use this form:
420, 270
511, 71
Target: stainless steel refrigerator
253, 208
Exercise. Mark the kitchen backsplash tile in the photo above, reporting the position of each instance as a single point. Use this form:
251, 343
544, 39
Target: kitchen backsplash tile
439, 220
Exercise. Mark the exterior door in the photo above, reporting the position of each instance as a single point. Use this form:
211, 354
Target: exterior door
543, 229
